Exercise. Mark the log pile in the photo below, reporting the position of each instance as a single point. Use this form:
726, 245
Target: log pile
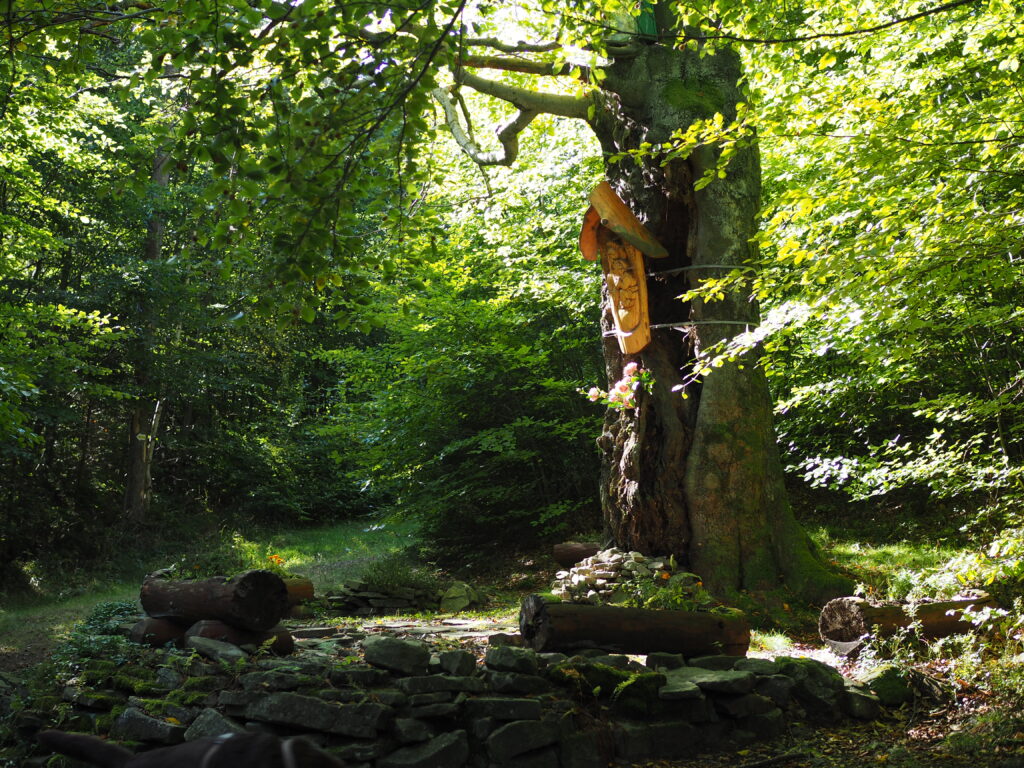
846, 623
244, 610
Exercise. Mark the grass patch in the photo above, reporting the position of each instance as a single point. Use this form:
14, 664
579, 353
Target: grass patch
879, 566
771, 642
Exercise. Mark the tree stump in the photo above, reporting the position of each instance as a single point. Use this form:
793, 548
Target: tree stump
847, 622
568, 626
283, 642
255, 600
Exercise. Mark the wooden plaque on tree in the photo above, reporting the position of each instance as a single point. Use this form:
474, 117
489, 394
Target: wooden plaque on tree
611, 231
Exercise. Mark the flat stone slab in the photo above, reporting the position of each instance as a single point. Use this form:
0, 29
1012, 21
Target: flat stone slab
309, 713
449, 750
714, 680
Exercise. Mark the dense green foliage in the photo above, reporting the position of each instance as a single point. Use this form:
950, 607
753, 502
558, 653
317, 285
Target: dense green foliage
243, 223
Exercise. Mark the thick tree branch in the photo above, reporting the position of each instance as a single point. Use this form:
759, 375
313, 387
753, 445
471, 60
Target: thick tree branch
516, 65
508, 134
520, 47
527, 100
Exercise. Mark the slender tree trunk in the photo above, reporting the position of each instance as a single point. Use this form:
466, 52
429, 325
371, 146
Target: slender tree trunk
144, 418
699, 477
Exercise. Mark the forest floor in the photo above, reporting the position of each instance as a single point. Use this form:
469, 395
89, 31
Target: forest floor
968, 730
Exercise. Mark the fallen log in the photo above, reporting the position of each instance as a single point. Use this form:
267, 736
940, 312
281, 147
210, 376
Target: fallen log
568, 553
255, 600
299, 589
846, 623
280, 640
156, 632
547, 626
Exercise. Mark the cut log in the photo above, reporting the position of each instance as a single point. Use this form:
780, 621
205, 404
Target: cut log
157, 632
847, 622
568, 626
256, 600
282, 641
568, 553
299, 588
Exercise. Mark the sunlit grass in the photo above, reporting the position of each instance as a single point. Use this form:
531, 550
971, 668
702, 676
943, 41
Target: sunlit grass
877, 565
335, 553
770, 642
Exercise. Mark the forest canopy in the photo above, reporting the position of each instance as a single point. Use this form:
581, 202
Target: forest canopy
248, 273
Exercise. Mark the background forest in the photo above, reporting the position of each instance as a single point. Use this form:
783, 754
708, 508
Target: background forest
247, 278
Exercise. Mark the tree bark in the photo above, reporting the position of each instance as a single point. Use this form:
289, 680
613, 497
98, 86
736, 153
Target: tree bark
568, 626
144, 418
255, 600
699, 477
847, 622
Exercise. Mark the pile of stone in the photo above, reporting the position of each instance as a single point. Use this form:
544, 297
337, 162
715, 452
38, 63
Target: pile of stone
605, 577
399, 703
357, 598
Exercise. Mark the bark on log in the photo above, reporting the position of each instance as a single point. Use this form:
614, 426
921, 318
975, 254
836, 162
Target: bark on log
568, 553
567, 626
283, 642
256, 600
157, 632
299, 588
847, 622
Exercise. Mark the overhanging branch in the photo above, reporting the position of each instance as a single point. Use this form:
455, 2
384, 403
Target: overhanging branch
520, 47
508, 134
527, 100
517, 65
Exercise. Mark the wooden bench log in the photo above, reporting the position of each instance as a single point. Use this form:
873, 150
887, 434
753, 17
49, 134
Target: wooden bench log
283, 642
549, 626
846, 623
255, 600
568, 553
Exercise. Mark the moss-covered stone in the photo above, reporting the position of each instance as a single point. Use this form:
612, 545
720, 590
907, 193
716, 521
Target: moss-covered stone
638, 695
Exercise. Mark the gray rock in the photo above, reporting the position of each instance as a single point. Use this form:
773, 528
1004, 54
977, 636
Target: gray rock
308, 713
235, 702
632, 740
662, 660
437, 697
363, 751
457, 597
778, 688
435, 683
762, 667
524, 685
359, 675
429, 711
615, 660
169, 678
387, 696
744, 705
507, 658
714, 662
482, 727
550, 659
504, 709
449, 750
676, 688
818, 687
713, 680
518, 737
860, 703
270, 681
505, 638
581, 751
889, 683
217, 650
458, 663
135, 725
410, 731
408, 657
540, 758
210, 722
766, 725
673, 741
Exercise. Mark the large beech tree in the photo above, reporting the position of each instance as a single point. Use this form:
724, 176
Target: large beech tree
693, 469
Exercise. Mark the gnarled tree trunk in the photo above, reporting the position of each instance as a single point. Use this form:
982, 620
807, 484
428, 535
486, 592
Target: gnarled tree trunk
699, 477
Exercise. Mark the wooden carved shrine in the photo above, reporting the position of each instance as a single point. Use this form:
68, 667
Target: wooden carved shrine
611, 231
